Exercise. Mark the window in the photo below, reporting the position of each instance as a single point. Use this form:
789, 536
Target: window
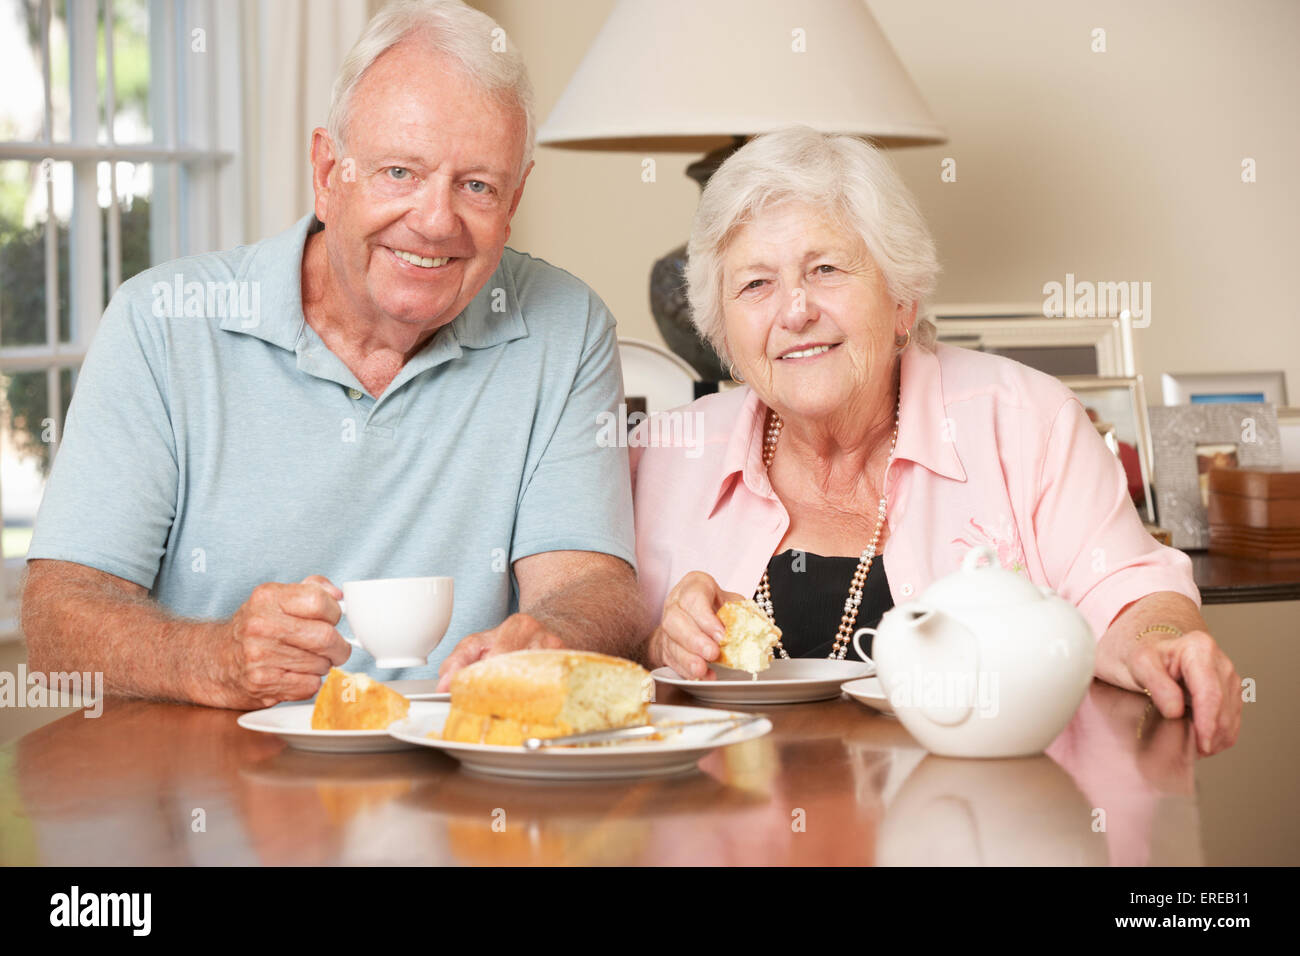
119, 127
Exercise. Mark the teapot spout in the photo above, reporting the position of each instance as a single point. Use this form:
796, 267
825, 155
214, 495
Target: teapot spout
917, 616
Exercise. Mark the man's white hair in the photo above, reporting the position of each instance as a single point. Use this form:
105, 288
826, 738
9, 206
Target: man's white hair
469, 36
849, 179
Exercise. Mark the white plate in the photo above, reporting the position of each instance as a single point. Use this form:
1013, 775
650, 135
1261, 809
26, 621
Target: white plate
784, 682
426, 689
292, 724
678, 753
868, 691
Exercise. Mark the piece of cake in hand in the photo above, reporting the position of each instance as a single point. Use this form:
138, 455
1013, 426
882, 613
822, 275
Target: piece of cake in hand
356, 702
750, 637
545, 693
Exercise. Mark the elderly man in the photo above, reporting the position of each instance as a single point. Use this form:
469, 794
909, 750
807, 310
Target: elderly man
408, 397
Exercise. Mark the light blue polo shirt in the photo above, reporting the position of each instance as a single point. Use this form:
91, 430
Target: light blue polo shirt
204, 454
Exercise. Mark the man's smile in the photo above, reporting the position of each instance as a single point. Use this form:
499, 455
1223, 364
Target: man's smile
419, 261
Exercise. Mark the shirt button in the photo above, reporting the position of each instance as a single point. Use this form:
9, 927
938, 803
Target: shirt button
905, 590
354, 393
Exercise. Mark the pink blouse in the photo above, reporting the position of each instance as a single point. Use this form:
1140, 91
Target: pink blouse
989, 452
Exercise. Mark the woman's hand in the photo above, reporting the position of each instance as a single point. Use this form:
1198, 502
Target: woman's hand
1134, 653
687, 638
1166, 664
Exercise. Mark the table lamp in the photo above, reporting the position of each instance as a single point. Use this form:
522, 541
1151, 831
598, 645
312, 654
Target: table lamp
702, 75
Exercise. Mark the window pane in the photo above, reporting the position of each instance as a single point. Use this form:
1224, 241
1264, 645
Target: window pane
26, 437
135, 189
22, 94
67, 382
25, 433
23, 215
131, 70
60, 71
22, 105
134, 185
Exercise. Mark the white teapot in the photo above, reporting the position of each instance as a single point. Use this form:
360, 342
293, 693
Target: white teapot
986, 663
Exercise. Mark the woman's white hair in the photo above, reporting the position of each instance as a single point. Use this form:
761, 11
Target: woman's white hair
846, 177
469, 36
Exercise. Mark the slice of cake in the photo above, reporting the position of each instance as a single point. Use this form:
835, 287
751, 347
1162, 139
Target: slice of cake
356, 702
545, 693
750, 637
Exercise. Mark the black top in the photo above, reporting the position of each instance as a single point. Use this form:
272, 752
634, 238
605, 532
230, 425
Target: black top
808, 594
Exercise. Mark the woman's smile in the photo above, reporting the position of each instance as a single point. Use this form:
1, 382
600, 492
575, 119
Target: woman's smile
807, 354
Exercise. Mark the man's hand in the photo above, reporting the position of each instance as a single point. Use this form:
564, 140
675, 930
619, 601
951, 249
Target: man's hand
518, 632
1166, 664
277, 646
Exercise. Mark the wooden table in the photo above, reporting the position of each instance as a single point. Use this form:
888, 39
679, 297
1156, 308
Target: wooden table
835, 783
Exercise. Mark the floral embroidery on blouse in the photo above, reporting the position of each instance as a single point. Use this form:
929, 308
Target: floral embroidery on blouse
1003, 538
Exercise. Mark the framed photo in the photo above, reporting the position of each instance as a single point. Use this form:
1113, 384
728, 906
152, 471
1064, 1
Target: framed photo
1211, 388
1288, 428
1189, 440
1117, 406
1057, 346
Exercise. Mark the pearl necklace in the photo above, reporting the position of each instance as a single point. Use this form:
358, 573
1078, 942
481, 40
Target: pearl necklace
763, 596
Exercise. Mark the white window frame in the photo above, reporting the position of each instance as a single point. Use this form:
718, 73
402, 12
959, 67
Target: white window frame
195, 113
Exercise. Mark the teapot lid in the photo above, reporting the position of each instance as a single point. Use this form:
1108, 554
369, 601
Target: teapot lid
981, 582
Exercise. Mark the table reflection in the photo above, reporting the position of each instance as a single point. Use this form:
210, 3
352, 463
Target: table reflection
834, 784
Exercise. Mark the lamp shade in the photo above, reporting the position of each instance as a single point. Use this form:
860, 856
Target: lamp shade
693, 74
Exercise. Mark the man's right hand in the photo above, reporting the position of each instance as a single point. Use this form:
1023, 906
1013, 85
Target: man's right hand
278, 645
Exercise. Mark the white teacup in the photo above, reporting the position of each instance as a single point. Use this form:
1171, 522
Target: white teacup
398, 620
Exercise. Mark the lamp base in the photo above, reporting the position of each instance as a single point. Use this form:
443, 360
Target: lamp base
672, 314
668, 302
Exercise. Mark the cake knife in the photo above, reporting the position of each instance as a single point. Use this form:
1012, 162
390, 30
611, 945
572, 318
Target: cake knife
638, 733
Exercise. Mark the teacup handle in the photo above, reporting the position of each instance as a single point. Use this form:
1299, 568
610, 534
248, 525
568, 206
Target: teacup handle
858, 647
343, 609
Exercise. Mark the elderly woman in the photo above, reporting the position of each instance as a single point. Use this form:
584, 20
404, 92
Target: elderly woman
861, 460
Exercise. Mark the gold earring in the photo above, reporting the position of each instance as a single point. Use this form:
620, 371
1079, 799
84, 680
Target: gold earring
731, 370
906, 342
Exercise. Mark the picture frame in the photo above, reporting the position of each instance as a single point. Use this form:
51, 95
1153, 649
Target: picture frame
1098, 346
1288, 428
1121, 404
1204, 388
1186, 438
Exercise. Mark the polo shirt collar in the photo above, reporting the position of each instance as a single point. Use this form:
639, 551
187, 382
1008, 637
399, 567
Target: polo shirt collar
492, 317
923, 436
277, 265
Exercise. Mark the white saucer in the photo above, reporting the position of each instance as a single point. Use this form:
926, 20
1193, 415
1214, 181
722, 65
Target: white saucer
425, 689
784, 682
677, 753
292, 724
868, 691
